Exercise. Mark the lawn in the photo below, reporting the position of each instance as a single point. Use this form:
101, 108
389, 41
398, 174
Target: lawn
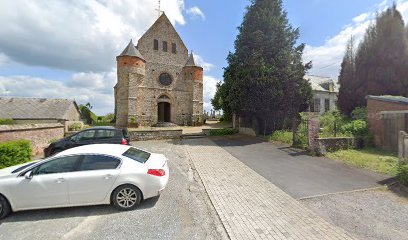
281, 136
370, 158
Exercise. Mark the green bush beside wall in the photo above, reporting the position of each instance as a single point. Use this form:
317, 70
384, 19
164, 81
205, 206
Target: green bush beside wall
6, 121
222, 132
15, 152
402, 174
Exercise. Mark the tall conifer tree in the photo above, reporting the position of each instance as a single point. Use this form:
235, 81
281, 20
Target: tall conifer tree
381, 62
265, 74
347, 79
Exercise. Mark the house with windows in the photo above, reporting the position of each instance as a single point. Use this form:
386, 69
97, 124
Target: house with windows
325, 92
159, 83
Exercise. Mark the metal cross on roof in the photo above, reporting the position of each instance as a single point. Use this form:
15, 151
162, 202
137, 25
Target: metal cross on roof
159, 9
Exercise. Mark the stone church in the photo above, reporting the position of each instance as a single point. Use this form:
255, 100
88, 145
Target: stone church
158, 80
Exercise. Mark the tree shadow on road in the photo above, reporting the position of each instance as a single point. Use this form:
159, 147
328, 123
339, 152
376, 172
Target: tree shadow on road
72, 212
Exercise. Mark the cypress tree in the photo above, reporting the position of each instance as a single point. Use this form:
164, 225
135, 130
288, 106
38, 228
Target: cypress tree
264, 76
346, 80
381, 62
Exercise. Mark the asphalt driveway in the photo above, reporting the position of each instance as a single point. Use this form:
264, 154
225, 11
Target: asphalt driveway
296, 173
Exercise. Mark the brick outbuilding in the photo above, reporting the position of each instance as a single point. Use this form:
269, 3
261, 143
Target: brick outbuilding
377, 107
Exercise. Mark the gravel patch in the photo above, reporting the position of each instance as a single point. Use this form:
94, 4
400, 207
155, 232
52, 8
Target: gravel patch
381, 214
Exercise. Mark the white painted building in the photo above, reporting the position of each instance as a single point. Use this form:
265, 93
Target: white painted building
325, 92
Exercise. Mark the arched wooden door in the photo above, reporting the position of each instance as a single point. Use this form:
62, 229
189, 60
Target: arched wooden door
164, 112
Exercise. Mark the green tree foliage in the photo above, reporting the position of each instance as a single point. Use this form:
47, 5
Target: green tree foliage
381, 63
110, 117
87, 115
265, 74
219, 102
346, 78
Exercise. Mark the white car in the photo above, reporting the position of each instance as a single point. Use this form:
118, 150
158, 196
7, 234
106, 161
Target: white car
88, 175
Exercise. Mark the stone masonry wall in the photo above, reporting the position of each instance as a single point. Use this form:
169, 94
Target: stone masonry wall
334, 144
155, 135
40, 135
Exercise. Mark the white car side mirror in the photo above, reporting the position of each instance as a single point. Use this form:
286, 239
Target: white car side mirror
28, 175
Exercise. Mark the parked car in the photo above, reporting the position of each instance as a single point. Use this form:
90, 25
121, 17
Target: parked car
95, 135
88, 175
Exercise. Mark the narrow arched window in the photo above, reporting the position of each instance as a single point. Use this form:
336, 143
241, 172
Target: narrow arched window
156, 44
174, 48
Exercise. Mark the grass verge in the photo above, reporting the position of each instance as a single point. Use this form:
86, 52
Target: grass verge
373, 159
281, 136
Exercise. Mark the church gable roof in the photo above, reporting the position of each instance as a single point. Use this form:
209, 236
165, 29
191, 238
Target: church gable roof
163, 20
131, 51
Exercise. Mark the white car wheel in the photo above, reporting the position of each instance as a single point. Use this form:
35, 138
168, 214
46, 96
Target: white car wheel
4, 207
126, 197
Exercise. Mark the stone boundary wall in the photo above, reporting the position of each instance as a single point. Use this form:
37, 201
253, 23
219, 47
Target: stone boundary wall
143, 135
403, 147
247, 131
334, 144
39, 135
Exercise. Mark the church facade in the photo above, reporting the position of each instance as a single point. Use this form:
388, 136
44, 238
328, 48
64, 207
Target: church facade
158, 80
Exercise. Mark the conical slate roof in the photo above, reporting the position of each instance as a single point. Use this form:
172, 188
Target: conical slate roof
190, 61
131, 51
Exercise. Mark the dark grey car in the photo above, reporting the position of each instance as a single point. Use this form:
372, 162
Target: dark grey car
94, 135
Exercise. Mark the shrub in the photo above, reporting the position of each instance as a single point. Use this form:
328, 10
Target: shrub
75, 126
282, 136
14, 152
6, 121
222, 132
331, 123
357, 128
359, 113
402, 174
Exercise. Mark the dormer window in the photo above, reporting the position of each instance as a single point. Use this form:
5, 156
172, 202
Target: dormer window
174, 48
164, 46
156, 44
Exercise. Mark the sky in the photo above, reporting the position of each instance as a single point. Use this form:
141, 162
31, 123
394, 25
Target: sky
67, 48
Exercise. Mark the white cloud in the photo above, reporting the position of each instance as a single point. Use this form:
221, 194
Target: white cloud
361, 18
327, 58
103, 82
196, 12
25, 86
76, 35
4, 59
200, 62
209, 91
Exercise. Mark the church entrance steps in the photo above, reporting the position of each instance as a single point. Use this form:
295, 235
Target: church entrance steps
193, 135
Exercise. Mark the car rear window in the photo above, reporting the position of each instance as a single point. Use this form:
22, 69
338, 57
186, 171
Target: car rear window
137, 155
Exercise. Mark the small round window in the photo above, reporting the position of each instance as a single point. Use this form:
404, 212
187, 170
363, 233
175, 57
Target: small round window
165, 79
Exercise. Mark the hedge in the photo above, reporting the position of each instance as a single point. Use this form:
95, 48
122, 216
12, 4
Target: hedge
222, 132
15, 152
6, 121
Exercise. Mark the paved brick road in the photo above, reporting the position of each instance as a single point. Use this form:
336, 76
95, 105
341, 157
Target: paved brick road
249, 206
